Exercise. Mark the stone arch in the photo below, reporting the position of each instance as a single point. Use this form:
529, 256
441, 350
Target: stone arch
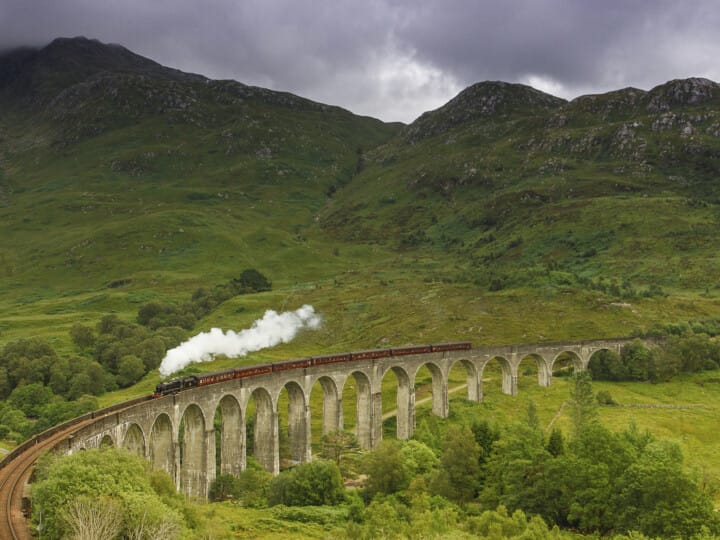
107, 440
572, 356
474, 387
404, 404
331, 405
543, 372
265, 431
298, 424
608, 367
363, 408
193, 452
161, 450
135, 440
439, 389
230, 439
506, 373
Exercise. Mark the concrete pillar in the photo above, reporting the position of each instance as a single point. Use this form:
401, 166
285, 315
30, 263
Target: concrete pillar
405, 418
474, 392
411, 410
332, 407
376, 420
363, 411
161, 448
509, 376
267, 446
440, 405
242, 454
513, 386
298, 416
210, 466
232, 437
544, 373
193, 470
307, 451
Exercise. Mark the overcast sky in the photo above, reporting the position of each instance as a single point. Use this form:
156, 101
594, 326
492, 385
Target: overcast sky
394, 59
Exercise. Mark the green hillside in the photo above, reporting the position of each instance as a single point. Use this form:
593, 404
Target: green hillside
129, 190
531, 190
122, 181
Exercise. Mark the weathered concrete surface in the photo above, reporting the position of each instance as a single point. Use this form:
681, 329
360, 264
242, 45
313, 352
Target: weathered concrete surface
176, 433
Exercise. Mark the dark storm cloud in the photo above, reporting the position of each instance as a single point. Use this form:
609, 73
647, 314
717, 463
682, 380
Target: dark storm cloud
394, 58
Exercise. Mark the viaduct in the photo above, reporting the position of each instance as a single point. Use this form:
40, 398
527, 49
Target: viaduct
177, 433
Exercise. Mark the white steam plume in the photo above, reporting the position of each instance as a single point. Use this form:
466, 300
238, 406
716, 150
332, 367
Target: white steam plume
272, 329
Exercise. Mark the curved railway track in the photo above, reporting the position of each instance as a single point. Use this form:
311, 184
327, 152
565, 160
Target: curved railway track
17, 466
13, 477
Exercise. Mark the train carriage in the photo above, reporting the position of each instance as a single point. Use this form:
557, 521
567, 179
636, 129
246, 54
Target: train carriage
416, 349
444, 347
177, 385
291, 364
330, 359
371, 354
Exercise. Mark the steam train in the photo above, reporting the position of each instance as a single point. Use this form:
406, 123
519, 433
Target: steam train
192, 381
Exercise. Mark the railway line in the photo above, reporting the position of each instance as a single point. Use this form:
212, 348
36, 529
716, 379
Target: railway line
16, 468
14, 475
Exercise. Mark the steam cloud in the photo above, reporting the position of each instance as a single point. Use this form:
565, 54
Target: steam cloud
272, 329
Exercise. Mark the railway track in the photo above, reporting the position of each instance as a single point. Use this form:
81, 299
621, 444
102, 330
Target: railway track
17, 466
14, 475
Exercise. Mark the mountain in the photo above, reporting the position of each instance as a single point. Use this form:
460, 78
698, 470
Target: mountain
492, 218
112, 166
622, 185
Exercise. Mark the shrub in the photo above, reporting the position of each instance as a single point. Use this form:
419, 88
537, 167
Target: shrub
604, 398
309, 484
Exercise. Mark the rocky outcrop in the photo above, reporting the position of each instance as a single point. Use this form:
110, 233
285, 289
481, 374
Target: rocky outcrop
483, 100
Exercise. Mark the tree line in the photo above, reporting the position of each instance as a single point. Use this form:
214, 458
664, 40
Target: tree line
40, 388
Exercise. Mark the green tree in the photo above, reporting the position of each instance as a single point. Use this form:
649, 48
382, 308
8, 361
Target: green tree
656, 497
251, 280
104, 474
340, 447
27, 361
485, 435
639, 361
606, 365
253, 485
385, 469
583, 404
556, 443
224, 487
418, 459
130, 370
515, 472
30, 398
458, 475
309, 484
82, 336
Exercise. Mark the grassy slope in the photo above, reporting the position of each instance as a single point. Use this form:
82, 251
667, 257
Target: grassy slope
188, 197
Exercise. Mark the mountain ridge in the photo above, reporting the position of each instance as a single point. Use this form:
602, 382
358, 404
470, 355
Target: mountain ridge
166, 183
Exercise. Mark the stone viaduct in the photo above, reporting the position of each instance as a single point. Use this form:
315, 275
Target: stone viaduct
177, 432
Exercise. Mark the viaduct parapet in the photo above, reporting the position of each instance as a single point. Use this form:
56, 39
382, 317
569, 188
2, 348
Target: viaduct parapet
177, 433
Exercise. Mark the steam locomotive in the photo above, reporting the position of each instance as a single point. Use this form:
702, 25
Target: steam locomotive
192, 381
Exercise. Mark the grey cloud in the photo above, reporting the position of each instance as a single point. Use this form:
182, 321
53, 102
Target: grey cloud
394, 58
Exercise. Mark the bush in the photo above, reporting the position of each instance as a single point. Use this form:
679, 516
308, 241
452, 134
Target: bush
251, 281
309, 484
604, 398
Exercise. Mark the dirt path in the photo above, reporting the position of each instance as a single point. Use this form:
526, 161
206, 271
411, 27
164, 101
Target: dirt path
392, 413
554, 418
